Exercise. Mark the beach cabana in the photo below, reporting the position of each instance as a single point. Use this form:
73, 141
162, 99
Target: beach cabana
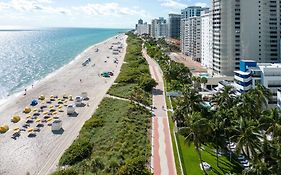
41, 97
27, 110
34, 102
15, 119
4, 128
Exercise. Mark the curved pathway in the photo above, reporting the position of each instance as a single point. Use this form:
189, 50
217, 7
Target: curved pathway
162, 159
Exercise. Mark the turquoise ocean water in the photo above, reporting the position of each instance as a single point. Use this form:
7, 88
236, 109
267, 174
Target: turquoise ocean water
28, 56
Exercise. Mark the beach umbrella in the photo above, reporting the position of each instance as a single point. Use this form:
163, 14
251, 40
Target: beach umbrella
49, 119
60, 106
64, 96
27, 110
30, 129
4, 128
45, 113
15, 119
38, 120
16, 129
29, 116
41, 97
51, 106
55, 113
34, 102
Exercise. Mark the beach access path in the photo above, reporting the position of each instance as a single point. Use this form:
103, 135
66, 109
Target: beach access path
41, 154
162, 159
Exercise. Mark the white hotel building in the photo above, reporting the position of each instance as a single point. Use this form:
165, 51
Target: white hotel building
206, 40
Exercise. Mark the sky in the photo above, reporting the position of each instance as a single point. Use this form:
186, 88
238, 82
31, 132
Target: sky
87, 13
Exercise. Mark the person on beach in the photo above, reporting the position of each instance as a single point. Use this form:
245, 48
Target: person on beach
80, 80
24, 92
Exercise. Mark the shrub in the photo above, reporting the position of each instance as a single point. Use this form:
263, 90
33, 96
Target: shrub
147, 83
79, 150
67, 171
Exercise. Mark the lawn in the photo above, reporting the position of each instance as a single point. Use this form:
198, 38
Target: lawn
190, 160
116, 134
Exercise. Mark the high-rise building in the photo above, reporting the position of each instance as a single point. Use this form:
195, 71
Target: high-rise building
159, 28
206, 40
143, 29
245, 29
191, 32
191, 11
140, 21
174, 26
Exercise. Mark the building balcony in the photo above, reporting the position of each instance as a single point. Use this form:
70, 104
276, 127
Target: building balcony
242, 79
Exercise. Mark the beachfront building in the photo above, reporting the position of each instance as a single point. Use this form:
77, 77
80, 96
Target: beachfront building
159, 28
252, 73
174, 26
245, 29
206, 40
143, 29
185, 15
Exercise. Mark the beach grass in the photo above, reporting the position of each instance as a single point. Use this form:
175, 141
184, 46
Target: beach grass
133, 71
116, 134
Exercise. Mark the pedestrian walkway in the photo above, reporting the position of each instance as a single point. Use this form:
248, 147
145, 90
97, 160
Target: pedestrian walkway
162, 159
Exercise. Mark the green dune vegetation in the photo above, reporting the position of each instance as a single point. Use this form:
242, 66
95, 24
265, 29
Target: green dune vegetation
134, 79
115, 140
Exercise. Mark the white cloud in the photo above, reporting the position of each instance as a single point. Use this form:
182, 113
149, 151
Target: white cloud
33, 5
202, 4
109, 9
174, 4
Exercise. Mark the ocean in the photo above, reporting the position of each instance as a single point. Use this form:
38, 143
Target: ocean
27, 56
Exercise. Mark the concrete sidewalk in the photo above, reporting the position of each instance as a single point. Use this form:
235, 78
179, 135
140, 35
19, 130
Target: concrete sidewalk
162, 159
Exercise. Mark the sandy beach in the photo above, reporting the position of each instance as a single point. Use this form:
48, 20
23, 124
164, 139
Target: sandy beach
40, 154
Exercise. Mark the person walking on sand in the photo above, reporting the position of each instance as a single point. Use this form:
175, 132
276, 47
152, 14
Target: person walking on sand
80, 80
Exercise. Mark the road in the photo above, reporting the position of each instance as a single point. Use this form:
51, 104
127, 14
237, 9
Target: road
162, 159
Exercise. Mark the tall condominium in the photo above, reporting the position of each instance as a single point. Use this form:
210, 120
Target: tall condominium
206, 40
159, 28
245, 29
142, 29
174, 26
140, 21
191, 32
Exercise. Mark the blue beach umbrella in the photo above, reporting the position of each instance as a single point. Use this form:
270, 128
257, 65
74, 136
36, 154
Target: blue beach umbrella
34, 102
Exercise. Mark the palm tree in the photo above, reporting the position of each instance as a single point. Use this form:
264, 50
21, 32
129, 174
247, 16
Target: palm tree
247, 137
189, 101
224, 98
196, 132
203, 81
